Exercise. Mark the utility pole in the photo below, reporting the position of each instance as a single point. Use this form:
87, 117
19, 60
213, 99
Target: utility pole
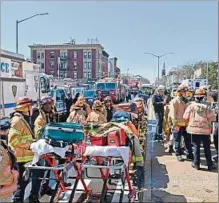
158, 63
20, 21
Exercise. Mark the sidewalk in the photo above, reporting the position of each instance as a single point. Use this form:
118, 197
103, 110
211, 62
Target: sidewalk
168, 180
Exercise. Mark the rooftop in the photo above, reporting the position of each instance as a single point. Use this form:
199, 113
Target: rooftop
11, 54
64, 46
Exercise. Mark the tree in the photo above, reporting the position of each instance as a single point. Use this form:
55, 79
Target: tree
212, 74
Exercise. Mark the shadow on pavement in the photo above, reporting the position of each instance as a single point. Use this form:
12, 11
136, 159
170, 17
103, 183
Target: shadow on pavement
163, 196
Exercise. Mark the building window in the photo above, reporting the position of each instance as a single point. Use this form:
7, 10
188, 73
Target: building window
75, 54
89, 74
75, 75
85, 65
42, 55
85, 75
42, 65
52, 55
89, 55
75, 64
85, 55
38, 55
89, 65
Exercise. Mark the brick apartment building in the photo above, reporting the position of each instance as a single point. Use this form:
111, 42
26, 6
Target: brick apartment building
77, 61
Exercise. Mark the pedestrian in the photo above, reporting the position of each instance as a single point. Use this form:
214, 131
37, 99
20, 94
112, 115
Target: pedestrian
200, 118
97, 116
20, 139
177, 109
8, 167
159, 103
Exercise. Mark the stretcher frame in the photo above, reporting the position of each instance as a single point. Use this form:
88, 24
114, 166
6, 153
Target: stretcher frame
60, 188
105, 176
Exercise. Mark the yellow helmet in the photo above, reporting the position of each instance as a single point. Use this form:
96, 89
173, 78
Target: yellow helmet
200, 93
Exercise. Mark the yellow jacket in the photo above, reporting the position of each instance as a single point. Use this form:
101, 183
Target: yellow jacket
8, 177
40, 122
20, 138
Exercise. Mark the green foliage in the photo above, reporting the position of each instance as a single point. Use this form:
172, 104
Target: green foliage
212, 74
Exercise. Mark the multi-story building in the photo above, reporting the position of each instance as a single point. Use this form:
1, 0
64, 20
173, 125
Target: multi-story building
112, 66
77, 61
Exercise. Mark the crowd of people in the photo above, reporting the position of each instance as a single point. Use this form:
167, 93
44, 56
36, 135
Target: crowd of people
20, 131
178, 117
188, 115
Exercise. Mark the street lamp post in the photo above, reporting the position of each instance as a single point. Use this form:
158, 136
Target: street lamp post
158, 62
20, 21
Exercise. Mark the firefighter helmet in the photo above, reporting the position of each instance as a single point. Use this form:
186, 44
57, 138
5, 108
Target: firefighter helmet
200, 93
97, 104
183, 88
23, 103
46, 99
5, 123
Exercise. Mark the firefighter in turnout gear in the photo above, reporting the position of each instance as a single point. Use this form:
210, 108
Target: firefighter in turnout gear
200, 118
20, 139
177, 109
97, 116
46, 115
8, 167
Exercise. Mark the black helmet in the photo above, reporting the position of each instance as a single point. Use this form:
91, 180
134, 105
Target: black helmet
5, 123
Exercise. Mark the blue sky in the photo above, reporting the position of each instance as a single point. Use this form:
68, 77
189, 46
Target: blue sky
127, 29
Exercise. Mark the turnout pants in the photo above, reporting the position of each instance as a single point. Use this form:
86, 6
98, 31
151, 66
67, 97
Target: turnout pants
206, 141
187, 139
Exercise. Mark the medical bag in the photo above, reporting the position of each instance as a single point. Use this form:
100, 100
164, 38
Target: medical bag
67, 132
116, 138
98, 140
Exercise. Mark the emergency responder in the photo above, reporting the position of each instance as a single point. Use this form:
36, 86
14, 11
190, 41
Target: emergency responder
207, 97
167, 126
97, 116
177, 109
215, 157
159, 103
78, 114
20, 139
109, 108
200, 118
82, 101
8, 167
46, 115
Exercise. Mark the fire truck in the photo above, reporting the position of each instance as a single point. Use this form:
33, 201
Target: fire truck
109, 87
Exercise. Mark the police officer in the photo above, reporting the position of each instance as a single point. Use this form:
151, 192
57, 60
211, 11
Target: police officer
200, 118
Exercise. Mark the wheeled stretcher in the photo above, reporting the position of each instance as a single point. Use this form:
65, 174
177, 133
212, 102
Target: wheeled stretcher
113, 164
59, 165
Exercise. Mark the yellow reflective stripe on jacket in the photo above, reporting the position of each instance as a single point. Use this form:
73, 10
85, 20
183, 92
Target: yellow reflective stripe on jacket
137, 159
15, 131
14, 142
24, 159
26, 138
